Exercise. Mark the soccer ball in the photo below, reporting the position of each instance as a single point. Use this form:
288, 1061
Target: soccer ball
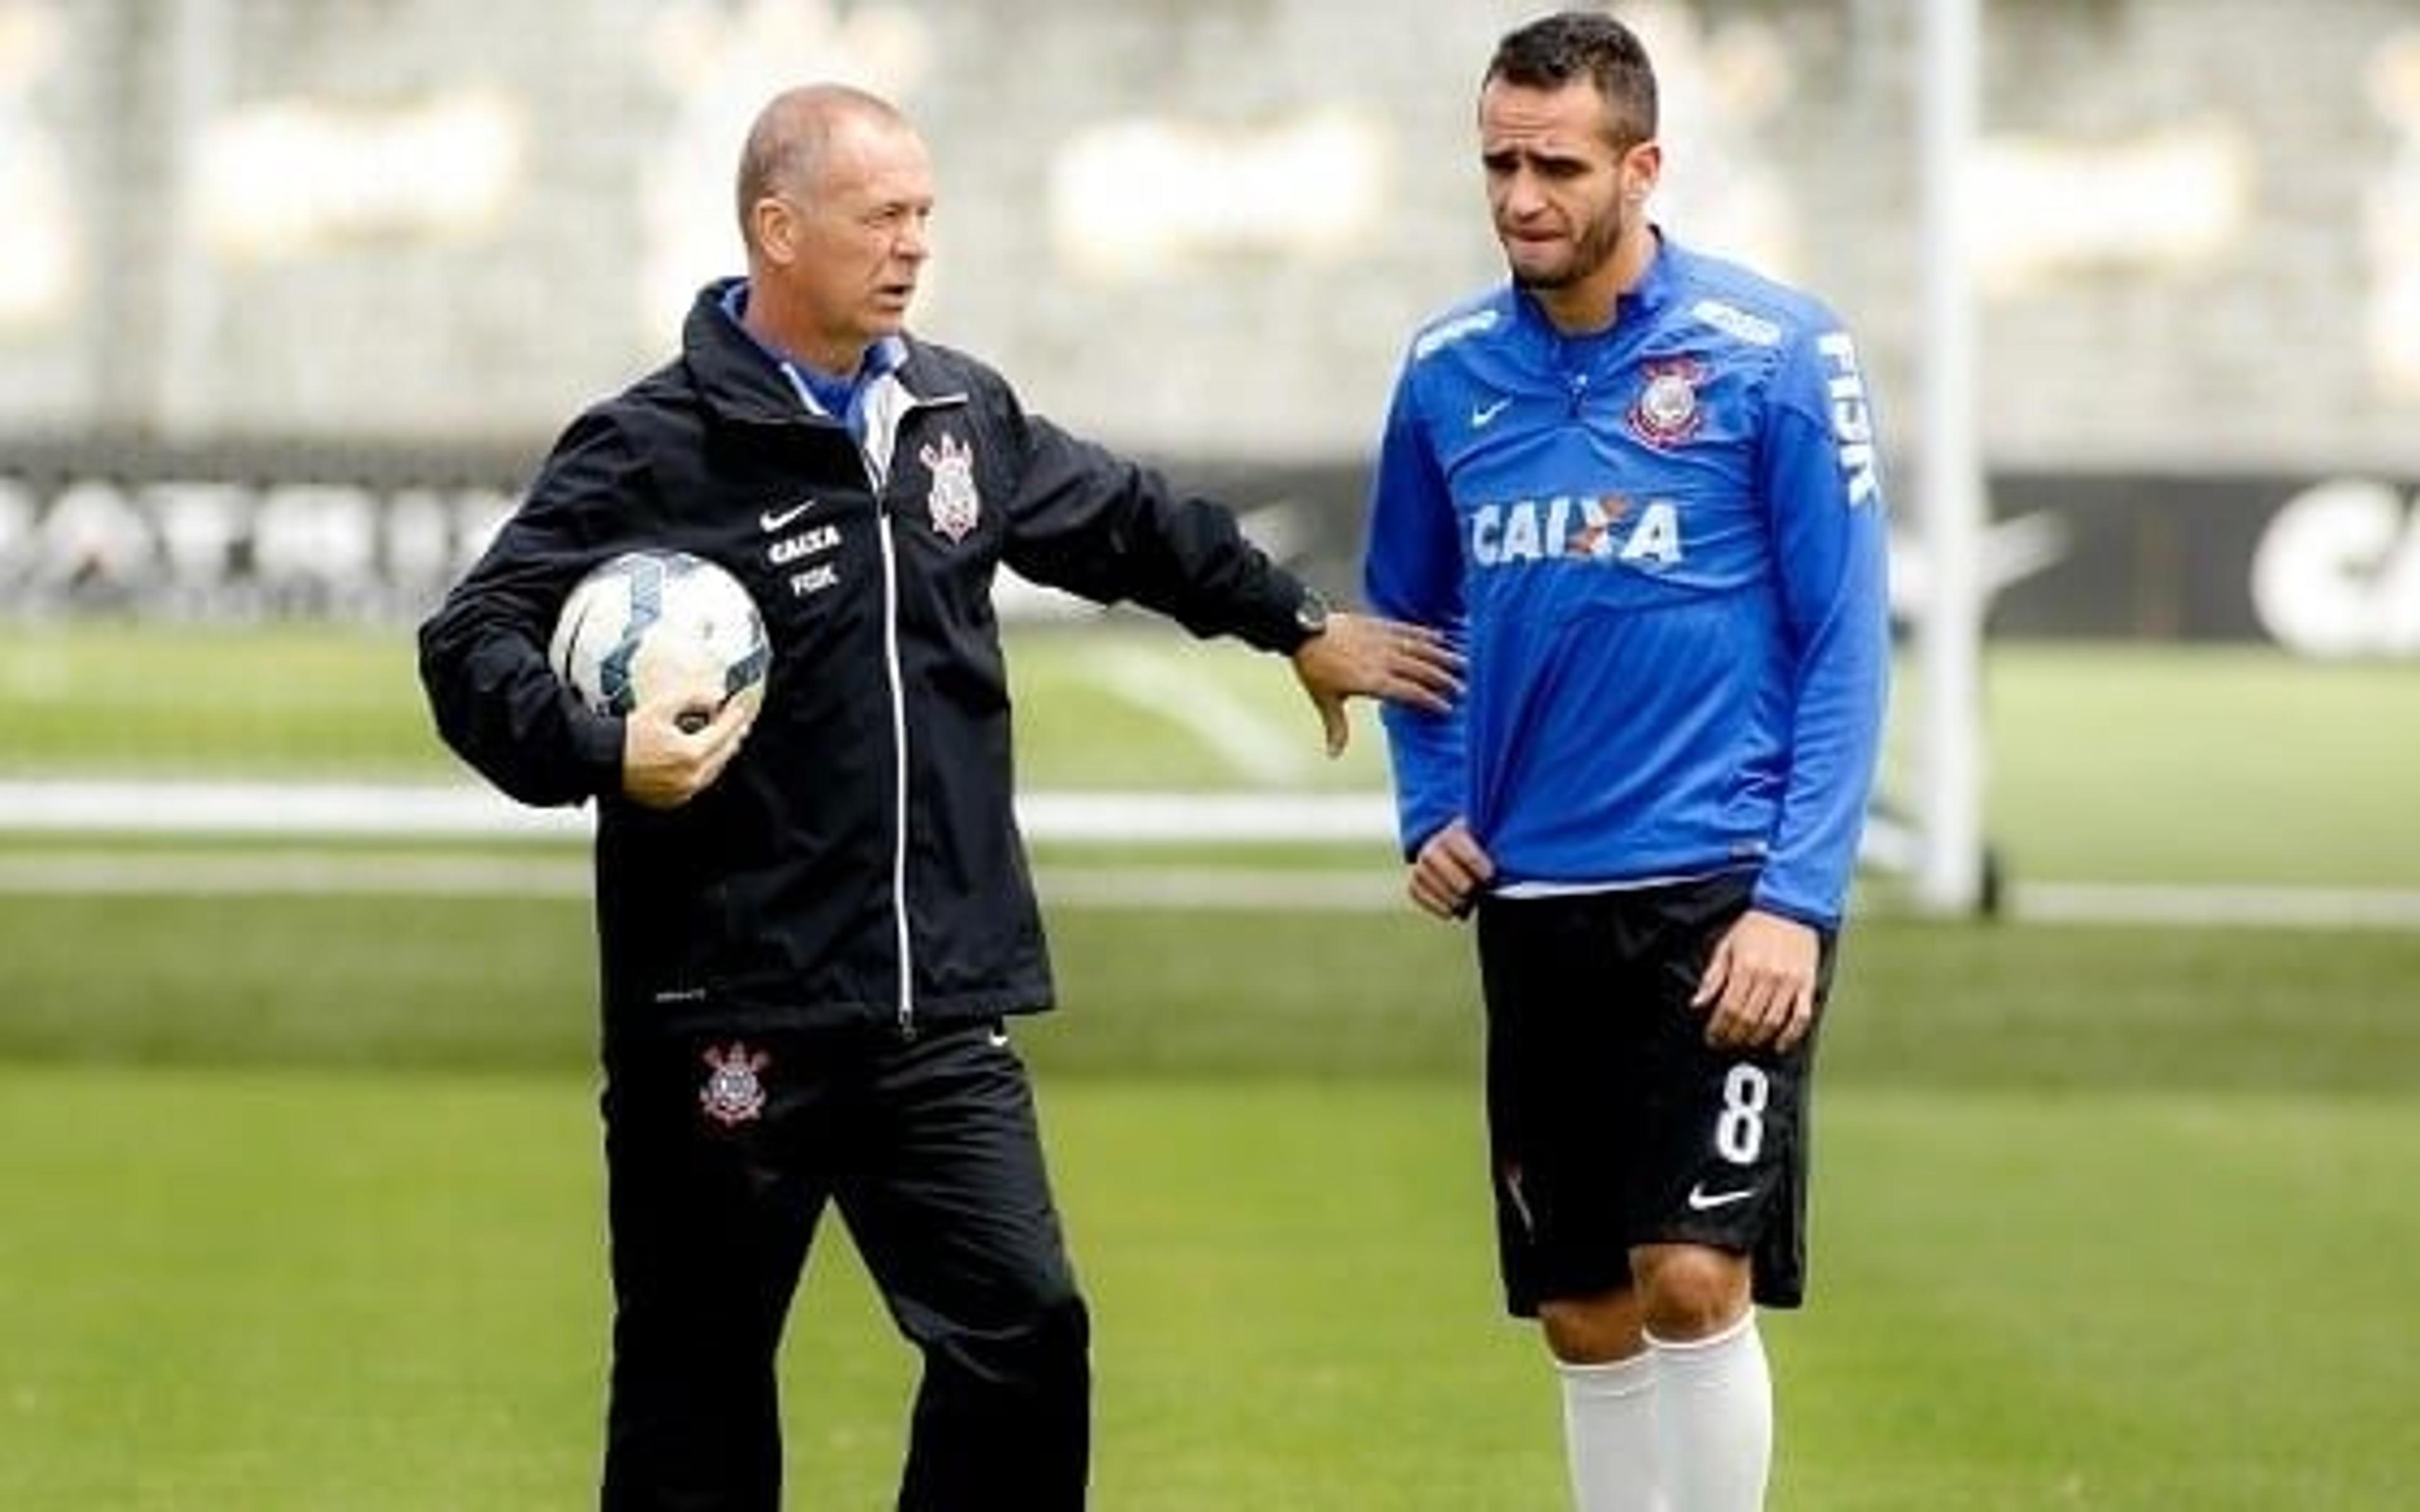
649, 625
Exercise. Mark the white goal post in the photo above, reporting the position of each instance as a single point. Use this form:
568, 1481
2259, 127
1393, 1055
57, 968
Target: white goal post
1950, 864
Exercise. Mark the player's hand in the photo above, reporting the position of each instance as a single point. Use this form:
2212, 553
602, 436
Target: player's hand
1760, 983
1449, 872
1359, 654
673, 750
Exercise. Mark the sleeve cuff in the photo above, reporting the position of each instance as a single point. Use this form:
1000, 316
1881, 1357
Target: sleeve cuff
1269, 620
1814, 919
596, 746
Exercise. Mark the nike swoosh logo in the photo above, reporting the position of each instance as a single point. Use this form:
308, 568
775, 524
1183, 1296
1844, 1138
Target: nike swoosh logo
1481, 414
774, 520
998, 1038
1701, 1200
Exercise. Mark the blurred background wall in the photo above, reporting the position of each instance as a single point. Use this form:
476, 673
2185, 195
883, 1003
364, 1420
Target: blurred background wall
383, 248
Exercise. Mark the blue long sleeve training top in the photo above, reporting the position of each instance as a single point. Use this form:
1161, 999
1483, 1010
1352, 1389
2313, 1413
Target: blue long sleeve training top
1662, 550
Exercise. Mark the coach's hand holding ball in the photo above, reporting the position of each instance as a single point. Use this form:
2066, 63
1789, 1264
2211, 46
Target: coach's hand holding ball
673, 748
687, 723
673, 645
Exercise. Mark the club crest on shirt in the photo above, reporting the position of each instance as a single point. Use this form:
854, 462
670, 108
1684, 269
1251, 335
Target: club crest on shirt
952, 503
733, 1094
1666, 411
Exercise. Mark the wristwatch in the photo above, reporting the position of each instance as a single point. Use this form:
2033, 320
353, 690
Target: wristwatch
1311, 614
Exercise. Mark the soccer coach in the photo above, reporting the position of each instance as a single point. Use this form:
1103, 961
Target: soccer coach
811, 941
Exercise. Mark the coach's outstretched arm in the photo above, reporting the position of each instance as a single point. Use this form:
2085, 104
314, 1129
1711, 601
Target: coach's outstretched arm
1110, 529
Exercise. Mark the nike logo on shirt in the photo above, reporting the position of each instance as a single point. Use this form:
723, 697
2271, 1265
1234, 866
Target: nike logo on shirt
1481, 414
774, 519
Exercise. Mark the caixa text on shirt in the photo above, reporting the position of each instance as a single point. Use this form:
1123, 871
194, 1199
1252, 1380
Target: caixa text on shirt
1609, 528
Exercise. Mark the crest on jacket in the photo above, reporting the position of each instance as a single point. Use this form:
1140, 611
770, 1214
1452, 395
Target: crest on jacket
952, 503
1666, 412
733, 1094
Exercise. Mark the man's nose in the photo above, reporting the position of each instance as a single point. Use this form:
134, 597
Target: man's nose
1521, 198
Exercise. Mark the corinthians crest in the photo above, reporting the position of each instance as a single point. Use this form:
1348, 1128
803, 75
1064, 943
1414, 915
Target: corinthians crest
731, 1094
1666, 411
953, 503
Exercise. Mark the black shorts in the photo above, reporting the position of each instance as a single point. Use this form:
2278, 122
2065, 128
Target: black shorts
1611, 1121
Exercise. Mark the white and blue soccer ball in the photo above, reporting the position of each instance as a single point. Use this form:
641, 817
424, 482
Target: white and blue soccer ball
660, 625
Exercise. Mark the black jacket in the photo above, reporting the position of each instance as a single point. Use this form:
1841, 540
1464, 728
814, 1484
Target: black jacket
859, 862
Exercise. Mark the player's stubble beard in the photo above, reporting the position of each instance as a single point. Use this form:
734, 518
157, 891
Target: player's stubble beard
1590, 250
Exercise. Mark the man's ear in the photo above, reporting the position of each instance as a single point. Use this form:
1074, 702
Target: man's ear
1642, 167
775, 225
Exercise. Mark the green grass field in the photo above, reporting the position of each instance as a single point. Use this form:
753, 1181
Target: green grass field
301, 1206
314, 1288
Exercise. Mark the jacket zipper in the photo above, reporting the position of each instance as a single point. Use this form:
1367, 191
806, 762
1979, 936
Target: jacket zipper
906, 1009
879, 471
876, 458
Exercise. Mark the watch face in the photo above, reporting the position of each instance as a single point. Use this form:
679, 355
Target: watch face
1311, 612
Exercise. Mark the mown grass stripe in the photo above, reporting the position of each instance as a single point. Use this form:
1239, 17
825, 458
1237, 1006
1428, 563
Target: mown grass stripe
99, 871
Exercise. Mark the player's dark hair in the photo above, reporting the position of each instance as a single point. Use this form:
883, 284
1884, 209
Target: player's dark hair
1557, 50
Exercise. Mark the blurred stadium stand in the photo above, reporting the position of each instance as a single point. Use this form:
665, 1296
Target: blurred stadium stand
1200, 230
293, 294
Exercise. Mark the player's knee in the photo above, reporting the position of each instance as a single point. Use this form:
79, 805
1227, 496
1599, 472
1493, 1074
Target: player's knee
1046, 1365
1591, 1330
1688, 1292
1037, 1330
1063, 1334
1052, 1343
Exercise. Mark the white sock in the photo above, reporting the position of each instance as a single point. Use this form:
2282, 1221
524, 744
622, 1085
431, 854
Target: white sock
1609, 1434
1713, 1419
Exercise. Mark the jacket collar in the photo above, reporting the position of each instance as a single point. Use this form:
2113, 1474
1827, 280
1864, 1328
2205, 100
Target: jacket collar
1658, 285
741, 380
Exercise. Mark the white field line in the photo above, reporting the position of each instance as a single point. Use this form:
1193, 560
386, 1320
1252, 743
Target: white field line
287, 812
324, 809
301, 874
2216, 904
470, 811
